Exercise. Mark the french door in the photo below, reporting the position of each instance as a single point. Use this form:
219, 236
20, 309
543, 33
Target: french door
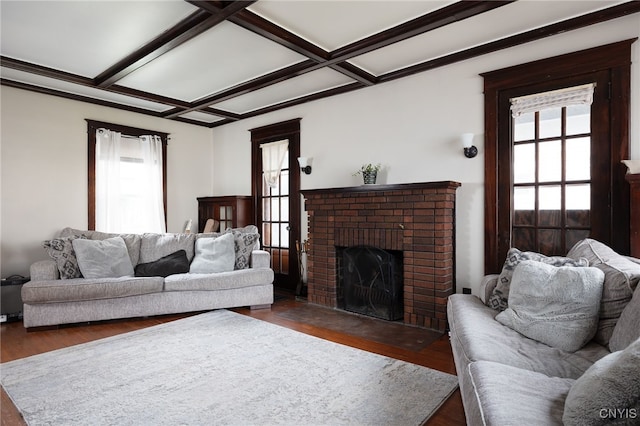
277, 207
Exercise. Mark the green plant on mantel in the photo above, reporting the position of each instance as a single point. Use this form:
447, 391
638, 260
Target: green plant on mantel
368, 168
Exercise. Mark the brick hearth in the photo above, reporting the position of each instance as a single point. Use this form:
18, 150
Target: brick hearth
417, 219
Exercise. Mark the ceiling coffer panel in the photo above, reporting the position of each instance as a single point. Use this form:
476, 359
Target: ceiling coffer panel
210, 63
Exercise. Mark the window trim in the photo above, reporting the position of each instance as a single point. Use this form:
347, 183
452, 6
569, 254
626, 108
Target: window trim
92, 126
614, 58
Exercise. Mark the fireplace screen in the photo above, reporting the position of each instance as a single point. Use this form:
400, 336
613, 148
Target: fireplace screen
370, 280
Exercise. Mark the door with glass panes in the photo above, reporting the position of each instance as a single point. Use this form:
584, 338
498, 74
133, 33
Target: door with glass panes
278, 203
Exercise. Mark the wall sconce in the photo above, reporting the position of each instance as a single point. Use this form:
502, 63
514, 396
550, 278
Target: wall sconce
470, 150
304, 163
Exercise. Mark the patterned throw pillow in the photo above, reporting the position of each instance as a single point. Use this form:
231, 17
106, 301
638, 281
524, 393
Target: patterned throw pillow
499, 299
61, 250
245, 243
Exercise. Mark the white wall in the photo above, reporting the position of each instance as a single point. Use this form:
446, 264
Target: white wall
412, 126
43, 172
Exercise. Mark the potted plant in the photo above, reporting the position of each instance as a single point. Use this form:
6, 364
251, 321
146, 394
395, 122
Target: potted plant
369, 172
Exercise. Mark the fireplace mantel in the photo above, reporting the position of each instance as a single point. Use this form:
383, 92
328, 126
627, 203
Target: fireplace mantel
415, 218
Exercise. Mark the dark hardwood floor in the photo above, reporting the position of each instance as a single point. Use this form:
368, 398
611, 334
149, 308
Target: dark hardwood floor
383, 339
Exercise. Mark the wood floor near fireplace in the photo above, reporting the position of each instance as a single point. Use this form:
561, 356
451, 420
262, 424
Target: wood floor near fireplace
417, 219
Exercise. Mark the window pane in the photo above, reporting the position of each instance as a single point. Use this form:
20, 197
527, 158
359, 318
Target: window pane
275, 209
266, 209
578, 119
549, 198
550, 122
524, 165
578, 197
524, 198
275, 235
524, 127
284, 209
284, 232
550, 241
284, 182
524, 239
579, 159
266, 234
550, 168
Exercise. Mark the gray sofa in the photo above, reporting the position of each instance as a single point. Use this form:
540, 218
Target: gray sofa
49, 300
507, 378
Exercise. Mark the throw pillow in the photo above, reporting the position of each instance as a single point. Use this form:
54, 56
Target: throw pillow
174, 263
608, 392
499, 298
557, 306
103, 258
627, 328
213, 255
244, 242
61, 250
621, 278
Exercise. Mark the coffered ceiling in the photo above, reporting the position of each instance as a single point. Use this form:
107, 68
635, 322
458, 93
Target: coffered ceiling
214, 62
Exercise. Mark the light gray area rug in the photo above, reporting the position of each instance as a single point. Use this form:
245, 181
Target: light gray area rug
221, 368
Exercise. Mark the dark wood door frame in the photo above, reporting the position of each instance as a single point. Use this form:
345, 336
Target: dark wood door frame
615, 59
284, 130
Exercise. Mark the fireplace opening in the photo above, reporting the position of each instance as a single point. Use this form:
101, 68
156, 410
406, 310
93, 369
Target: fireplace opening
370, 281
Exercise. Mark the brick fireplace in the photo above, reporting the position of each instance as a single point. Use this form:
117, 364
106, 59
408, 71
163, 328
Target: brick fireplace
417, 219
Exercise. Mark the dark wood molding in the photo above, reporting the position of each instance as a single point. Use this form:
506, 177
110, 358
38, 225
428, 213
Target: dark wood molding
611, 65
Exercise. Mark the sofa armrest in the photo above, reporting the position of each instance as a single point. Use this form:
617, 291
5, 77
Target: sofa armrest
43, 270
260, 259
487, 285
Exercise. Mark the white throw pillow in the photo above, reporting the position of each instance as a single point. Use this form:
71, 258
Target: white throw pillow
557, 306
608, 392
214, 255
103, 258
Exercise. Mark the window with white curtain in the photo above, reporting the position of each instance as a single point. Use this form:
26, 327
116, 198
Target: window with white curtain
128, 180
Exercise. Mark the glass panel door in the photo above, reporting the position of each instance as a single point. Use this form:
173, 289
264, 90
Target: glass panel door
551, 179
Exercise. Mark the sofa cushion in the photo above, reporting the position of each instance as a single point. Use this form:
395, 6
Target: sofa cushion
514, 396
132, 241
608, 392
103, 258
499, 299
80, 289
155, 246
621, 279
627, 328
219, 281
213, 255
554, 305
174, 263
475, 329
61, 251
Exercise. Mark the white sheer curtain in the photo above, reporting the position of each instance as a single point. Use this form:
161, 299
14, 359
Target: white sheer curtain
578, 95
273, 155
129, 187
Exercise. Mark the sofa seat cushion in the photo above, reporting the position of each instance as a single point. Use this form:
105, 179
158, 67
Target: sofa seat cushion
485, 339
513, 396
82, 289
219, 281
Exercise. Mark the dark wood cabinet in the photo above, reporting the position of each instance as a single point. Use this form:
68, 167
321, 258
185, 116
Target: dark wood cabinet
232, 211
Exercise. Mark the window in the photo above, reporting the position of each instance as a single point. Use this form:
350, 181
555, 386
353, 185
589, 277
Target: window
127, 179
553, 176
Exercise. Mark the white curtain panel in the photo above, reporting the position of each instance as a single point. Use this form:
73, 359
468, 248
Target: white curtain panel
129, 187
273, 155
578, 95
151, 181
108, 194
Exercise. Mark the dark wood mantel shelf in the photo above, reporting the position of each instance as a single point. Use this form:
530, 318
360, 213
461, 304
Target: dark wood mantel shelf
386, 187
